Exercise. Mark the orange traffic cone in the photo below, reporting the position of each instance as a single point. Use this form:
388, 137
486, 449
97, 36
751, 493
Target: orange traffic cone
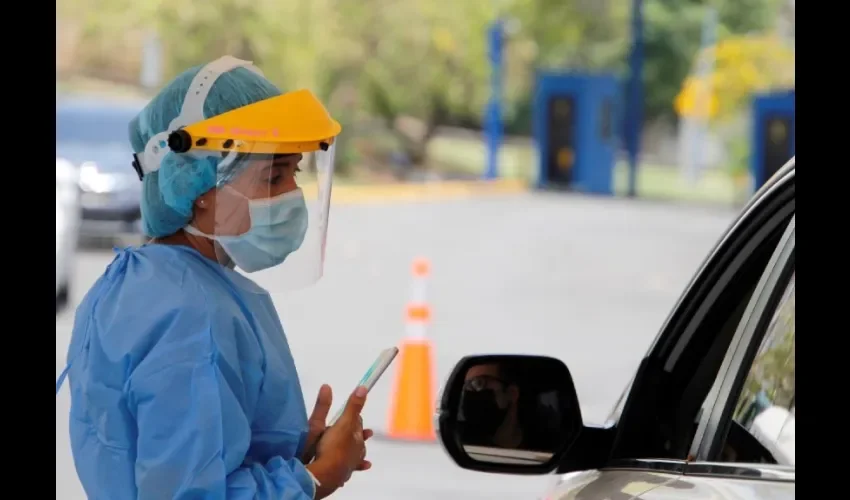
412, 406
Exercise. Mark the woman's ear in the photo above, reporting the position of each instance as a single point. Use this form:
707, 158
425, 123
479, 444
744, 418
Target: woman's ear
203, 211
205, 201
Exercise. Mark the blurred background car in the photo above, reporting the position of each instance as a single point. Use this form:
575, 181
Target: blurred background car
67, 227
92, 135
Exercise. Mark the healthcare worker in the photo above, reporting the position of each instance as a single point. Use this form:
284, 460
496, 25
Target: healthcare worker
182, 382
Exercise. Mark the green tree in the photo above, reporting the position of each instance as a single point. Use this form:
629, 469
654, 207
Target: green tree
674, 35
415, 64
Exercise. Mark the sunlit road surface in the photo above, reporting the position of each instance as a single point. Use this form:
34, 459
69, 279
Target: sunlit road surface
589, 280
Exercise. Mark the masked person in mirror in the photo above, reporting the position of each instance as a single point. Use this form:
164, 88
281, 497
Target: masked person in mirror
182, 381
493, 410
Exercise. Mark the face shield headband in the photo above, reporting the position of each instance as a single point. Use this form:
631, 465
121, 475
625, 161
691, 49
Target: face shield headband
290, 123
191, 112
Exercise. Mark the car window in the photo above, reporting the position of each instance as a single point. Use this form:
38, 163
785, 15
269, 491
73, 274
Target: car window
98, 135
669, 410
748, 415
93, 125
766, 408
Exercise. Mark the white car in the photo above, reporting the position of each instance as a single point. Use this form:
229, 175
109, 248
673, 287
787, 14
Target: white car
67, 227
710, 412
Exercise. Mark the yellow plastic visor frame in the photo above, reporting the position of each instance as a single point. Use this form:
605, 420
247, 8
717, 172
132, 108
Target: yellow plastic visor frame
295, 122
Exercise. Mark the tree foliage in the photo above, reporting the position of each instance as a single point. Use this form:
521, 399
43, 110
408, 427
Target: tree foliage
744, 65
421, 62
674, 36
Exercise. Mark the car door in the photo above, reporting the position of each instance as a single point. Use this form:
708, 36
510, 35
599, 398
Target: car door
658, 417
654, 429
745, 442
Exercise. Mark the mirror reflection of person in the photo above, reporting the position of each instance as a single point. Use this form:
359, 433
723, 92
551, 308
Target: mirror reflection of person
490, 405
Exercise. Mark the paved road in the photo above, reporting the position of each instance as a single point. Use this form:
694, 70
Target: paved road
589, 280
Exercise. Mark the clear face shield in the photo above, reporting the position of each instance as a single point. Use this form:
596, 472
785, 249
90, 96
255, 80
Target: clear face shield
268, 213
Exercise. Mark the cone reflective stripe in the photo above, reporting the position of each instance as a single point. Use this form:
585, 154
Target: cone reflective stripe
418, 314
421, 271
412, 406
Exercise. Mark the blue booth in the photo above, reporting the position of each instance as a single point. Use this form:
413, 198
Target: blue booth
773, 134
575, 129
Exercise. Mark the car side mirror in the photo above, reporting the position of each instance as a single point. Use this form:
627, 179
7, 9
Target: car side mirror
509, 413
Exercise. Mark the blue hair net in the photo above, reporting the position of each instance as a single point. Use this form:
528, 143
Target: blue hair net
169, 193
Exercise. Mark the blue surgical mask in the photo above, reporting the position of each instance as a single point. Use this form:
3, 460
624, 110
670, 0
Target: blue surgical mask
278, 227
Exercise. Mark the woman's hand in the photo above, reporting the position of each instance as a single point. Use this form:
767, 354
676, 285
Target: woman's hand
317, 423
341, 450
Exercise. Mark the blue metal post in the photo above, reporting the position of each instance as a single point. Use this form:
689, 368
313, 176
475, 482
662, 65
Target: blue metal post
493, 119
634, 111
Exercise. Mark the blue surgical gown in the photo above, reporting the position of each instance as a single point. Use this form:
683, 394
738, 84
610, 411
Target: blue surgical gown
183, 385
